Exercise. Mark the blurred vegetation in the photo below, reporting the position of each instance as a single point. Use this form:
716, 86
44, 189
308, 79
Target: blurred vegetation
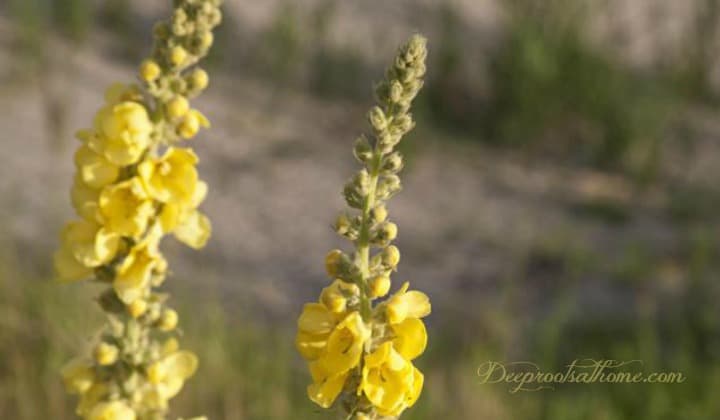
549, 90
249, 370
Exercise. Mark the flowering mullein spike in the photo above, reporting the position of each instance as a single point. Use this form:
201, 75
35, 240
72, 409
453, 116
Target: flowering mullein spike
359, 349
128, 196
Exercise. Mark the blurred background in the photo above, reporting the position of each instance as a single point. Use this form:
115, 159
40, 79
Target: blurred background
560, 202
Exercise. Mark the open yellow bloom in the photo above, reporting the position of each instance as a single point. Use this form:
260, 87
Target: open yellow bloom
126, 208
171, 178
67, 267
135, 272
389, 381
122, 132
314, 327
94, 169
84, 199
89, 243
407, 304
167, 377
78, 376
341, 353
113, 410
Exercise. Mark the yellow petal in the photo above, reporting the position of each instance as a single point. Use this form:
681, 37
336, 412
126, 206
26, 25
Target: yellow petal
68, 268
114, 410
194, 231
410, 338
325, 393
78, 376
316, 319
94, 169
310, 346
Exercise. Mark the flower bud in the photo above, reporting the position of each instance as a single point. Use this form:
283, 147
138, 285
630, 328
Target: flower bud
137, 308
168, 320
388, 186
205, 40
391, 256
189, 126
379, 213
385, 234
362, 150
404, 123
342, 224
177, 107
392, 163
198, 79
178, 55
396, 91
377, 119
379, 286
332, 263
105, 354
149, 70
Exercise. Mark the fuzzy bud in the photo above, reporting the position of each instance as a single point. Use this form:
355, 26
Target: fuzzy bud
178, 107
137, 308
391, 257
379, 213
377, 119
168, 320
149, 70
392, 163
178, 55
362, 150
105, 354
379, 286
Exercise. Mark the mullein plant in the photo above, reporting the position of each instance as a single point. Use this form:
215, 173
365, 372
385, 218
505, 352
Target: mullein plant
360, 343
134, 184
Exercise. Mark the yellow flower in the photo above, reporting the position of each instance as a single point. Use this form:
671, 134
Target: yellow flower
341, 353
126, 208
94, 169
78, 375
122, 132
84, 199
91, 244
389, 381
194, 231
113, 410
169, 373
135, 272
171, 178
404, 304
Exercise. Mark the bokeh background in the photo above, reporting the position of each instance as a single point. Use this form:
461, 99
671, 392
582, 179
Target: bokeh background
561, 195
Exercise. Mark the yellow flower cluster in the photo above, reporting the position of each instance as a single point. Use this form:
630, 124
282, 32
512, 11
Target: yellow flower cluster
360, 351
133, 186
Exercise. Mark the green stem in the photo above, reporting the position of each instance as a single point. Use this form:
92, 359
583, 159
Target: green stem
363, 242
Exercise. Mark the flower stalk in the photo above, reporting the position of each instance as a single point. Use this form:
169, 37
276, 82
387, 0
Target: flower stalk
134, 185
359, 346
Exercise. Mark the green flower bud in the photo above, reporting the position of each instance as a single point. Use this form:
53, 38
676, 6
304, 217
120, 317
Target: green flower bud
362, 150
379, 213
388, 186
396, 91
377, 119
392, 163
391, 257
